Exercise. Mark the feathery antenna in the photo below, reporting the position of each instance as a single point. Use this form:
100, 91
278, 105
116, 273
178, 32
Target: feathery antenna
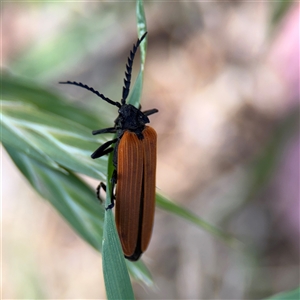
128, 71
93, 91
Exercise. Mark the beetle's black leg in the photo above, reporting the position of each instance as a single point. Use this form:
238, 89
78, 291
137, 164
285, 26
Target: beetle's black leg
104, 130
108, 150
113, 183
103, 149
98, 189
103, 186
150, 112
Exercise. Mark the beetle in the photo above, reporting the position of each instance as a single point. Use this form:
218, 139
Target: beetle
134, 160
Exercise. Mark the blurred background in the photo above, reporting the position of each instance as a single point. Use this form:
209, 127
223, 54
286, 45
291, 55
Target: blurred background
225, 78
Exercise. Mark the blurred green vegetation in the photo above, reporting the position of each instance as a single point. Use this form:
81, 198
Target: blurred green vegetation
49, 137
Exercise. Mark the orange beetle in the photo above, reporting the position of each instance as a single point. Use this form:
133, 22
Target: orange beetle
135, 167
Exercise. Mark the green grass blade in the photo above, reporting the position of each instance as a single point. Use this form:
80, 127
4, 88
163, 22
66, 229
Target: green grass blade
182, 212
70, 196
115, 273
135, 96
290, 295
140, 272
38, 132
65, 142
141, 28
280, 8
137, 91
53, 54
116, 277
18, 89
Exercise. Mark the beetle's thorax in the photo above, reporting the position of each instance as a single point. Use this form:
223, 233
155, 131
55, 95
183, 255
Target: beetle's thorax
131, 118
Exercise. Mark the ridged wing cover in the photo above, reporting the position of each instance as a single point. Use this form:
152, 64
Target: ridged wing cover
149, 143
135, 194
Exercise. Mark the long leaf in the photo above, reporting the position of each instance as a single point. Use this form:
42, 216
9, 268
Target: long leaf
289, 295
182, 212
18, 89
116, 277
51, 55
65, 142
74, 200
136, 93
115, 273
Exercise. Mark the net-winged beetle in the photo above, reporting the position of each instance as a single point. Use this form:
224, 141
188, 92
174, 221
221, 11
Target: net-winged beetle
134, 159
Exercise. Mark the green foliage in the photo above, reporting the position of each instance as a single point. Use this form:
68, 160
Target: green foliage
50, 141
289, 295
116, 277
70, 196
279, 10
70, 45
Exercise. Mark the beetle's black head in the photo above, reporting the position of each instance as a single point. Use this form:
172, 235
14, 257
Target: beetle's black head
131, 118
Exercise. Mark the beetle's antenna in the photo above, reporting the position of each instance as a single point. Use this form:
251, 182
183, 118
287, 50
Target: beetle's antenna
93, 91
128, 71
